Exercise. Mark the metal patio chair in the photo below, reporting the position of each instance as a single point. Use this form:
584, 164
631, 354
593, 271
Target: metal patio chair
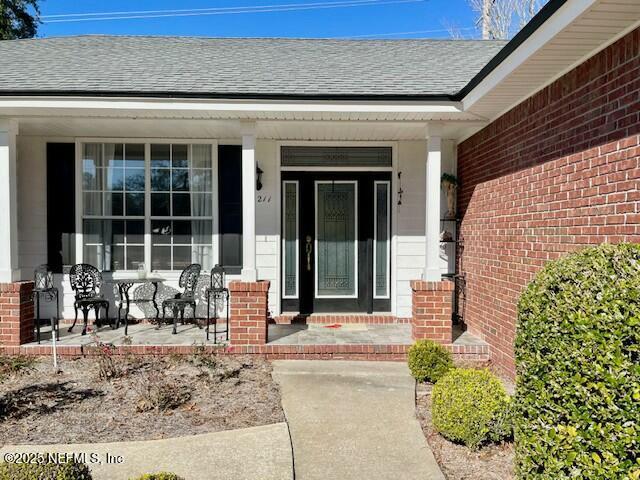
188, 282
86, 281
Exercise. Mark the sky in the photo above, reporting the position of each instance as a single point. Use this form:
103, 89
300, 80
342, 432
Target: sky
278, 18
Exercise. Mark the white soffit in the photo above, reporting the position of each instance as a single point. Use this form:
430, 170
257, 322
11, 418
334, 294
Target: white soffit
59, 127
577, 31
220, 110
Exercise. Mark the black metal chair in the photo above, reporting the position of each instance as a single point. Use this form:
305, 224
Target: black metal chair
218, 293
86, 281
188, 282
43, 286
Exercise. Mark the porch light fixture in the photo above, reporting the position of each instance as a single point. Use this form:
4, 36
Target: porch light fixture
400, 191
259, 173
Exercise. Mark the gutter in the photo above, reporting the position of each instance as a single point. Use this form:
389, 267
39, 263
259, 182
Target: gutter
227, 96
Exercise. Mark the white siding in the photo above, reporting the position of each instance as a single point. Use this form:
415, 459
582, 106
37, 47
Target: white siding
267, 221
410, 245
32, 203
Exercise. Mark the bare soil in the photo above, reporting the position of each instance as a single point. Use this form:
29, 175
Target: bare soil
115, 398
458, 462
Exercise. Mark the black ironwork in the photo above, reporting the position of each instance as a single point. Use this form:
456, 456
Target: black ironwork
86, 281
43, 287
124, 287
219, 293
458, 279
188, 282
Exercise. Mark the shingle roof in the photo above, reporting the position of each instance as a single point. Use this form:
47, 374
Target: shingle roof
241, 66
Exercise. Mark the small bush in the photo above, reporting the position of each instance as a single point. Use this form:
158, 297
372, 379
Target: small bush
159, 476
46, 471
156, 392
428, 361
472, 407
15, 364
109, 367
577, 403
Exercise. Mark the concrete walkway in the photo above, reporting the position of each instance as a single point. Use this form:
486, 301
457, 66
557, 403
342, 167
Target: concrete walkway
246, 454
354, 420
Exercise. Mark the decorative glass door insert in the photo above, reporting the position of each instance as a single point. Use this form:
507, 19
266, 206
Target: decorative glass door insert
290, 238
336, 252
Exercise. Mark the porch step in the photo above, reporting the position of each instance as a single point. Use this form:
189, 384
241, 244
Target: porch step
340, 318
467, 354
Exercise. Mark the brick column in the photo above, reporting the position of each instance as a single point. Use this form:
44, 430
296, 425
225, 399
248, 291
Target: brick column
16, 313
249, 312
432, 304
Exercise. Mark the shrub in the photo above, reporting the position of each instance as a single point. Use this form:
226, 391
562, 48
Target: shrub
428, 361
159, 476
472, 407
577, 401
45, 471
156, 392
15, 364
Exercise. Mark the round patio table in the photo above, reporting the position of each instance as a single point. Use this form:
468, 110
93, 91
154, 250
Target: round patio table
124, 285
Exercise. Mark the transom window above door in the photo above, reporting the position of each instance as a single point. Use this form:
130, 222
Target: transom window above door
147, 203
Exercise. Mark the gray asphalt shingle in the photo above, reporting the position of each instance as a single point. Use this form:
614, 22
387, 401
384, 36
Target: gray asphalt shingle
235, 66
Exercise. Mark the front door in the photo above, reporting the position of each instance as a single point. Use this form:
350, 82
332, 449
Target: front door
336, 242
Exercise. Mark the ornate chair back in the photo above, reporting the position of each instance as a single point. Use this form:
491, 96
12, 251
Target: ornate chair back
43, 278
86, 281
189, 280
217, 279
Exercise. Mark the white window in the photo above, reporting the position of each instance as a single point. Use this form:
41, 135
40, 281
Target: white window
152, 201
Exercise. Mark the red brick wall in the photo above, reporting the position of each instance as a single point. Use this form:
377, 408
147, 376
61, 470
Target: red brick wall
431, 308
557, 172
249, 313
16, 313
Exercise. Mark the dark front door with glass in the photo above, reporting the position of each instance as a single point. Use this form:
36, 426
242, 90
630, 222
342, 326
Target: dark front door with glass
336, 242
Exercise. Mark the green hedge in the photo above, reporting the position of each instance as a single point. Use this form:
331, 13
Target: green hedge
471, 407
428, 360
46, 471
578, 368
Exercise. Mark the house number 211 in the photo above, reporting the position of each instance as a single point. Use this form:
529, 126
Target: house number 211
264, 198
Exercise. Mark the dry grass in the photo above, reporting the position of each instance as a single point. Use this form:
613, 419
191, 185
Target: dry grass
457, 461
112, 398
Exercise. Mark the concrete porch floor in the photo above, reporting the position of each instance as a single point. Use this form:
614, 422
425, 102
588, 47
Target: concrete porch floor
345, 334
354, 334
139, 334
294, 334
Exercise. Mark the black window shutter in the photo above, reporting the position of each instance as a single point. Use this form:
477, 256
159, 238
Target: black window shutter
61, 205
230, 205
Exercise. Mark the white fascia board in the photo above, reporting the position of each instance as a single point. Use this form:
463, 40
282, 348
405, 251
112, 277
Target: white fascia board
117, 104
567, 14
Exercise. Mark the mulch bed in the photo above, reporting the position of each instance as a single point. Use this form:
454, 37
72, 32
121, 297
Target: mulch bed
117, 398
458, 462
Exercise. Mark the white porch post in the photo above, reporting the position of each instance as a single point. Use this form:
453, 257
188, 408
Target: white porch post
249, 273
9, 271
432, 207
